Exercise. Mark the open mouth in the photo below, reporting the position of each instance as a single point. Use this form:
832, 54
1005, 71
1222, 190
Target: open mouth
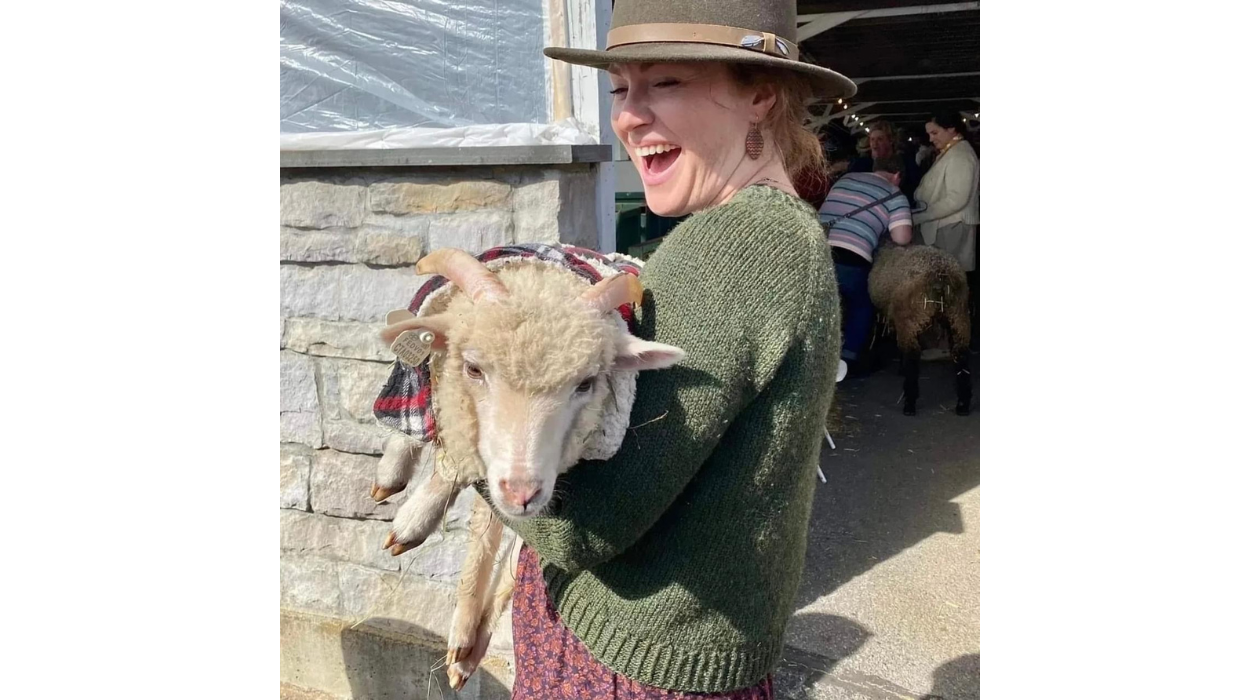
657, 161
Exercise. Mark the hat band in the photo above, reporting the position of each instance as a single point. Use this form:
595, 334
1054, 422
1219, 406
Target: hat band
751, 39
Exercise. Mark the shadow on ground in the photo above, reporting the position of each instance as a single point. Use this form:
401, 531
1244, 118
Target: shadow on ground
389, 659
891, 478
957, 680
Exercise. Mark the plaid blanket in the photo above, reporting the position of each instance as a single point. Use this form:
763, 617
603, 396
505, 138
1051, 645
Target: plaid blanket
405, 403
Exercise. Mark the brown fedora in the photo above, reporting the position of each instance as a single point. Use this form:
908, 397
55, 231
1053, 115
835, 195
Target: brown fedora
757, 32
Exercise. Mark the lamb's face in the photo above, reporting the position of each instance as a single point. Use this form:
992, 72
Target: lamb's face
538, 380
523, 370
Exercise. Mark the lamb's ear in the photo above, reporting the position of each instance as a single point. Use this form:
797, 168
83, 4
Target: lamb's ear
637, 354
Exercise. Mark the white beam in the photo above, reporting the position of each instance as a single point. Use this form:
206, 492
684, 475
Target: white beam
921, 99
813, 25
920, 76
898, 11
581, 23
815, 122
821, 23
855, 108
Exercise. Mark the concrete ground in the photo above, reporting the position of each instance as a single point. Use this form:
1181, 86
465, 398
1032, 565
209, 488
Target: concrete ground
889, 605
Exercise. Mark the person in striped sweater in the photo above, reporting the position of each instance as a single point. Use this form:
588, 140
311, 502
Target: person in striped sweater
862, 208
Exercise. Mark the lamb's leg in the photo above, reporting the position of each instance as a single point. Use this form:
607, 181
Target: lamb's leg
396, 467
505, 584
485, 533
910, 365
420, 515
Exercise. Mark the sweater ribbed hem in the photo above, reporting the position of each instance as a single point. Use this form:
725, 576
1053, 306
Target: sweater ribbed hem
688, 669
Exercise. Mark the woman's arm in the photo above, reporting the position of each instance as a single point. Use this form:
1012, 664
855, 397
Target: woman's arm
728, 300
959, 173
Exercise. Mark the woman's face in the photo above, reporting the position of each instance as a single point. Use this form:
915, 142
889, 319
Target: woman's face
683, 125
938, 136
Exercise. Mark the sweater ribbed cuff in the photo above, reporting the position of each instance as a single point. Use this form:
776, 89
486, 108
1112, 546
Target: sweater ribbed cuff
687, 669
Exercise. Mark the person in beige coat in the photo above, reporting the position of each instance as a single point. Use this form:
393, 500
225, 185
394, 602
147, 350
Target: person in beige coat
948, 197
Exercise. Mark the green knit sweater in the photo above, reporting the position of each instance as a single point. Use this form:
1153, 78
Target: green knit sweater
677, 561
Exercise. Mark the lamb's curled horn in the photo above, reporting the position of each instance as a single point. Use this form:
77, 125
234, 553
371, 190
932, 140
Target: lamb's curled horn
611, 292
467, 272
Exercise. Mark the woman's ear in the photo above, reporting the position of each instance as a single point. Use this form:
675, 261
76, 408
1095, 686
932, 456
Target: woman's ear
764, 99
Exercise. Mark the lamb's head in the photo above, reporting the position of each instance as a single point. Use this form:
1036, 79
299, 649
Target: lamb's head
524, 372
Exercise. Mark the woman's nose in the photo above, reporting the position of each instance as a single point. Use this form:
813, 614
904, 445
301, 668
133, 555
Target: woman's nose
631, 114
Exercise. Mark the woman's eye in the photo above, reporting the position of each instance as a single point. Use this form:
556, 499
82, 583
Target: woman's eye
585, 386
473, 371
668, 82
617, 91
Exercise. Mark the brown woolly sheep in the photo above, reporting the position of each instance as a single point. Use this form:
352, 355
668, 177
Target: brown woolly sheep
914, 287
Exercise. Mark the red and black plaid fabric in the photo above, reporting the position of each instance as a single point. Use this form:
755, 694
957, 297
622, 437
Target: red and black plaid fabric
405, 403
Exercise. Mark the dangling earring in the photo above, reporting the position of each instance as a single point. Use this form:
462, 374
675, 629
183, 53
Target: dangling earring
753, 142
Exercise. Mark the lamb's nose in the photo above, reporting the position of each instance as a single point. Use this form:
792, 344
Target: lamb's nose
519, 492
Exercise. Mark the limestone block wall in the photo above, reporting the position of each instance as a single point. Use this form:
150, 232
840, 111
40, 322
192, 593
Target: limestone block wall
353, 618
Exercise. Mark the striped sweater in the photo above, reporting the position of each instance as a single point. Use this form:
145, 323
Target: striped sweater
860, 233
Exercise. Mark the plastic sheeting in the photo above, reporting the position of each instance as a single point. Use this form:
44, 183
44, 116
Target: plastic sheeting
565, 132
414, 73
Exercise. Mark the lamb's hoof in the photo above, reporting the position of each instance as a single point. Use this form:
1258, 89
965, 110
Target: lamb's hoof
456, 679
380, 493
395, 547
456, 654
963, 408
909, 409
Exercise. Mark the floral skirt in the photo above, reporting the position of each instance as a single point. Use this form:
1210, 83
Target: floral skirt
553, 664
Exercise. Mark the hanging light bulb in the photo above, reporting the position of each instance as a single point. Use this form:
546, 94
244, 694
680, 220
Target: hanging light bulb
868, 129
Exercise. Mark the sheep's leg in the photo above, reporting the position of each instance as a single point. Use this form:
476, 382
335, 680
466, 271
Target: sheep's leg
486, 531
959, 332
505, 584
396, 467
910, 387
962, 381
420, 515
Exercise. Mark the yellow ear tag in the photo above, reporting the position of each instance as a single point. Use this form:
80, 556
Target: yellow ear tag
413, 347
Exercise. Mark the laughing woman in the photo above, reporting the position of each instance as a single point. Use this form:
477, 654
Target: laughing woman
671, 569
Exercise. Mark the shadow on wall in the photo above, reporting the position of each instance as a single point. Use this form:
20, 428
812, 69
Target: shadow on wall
389, 659
957, 680
890, 483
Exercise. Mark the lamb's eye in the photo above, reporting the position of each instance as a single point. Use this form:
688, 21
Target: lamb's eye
472, 371
586, 386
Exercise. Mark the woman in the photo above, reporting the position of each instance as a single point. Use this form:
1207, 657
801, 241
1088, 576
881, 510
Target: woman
949, 193
670, 570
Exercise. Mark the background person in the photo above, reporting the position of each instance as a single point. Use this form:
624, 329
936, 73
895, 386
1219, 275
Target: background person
949, 194
860, 209
883, 145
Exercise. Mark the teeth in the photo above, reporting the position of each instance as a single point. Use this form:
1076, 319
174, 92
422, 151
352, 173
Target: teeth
653, 150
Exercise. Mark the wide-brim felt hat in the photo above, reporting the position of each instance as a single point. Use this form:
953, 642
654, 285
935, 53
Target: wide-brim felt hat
754, 32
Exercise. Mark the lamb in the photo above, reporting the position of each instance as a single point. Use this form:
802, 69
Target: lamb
914, 287
531, 369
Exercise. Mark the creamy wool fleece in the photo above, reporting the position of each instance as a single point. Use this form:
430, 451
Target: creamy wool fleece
676, 562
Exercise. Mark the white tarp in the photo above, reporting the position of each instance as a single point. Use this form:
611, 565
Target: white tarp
415, 73
567, 132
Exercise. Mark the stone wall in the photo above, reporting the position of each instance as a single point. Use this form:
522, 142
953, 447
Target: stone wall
356, 622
